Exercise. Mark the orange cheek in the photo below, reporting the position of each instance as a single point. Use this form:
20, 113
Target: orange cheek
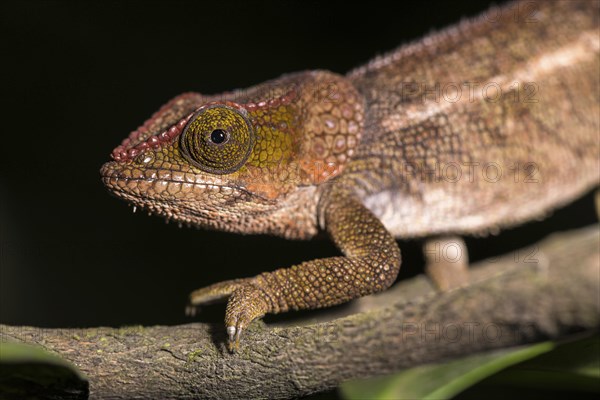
266, 190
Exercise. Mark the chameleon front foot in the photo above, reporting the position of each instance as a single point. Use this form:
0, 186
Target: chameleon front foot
247, 303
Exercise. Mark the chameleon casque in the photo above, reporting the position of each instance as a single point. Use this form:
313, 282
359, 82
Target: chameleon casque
478, 127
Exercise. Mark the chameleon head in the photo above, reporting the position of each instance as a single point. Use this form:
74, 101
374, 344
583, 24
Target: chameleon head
250, 161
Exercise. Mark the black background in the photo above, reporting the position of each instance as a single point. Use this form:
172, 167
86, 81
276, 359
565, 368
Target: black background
78, 77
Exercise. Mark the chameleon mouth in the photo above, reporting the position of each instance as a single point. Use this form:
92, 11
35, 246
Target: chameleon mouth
143, 186
169, 195
174, 197
154, 183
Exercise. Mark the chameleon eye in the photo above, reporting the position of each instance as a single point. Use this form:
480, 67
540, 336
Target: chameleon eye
217, 139
218, 136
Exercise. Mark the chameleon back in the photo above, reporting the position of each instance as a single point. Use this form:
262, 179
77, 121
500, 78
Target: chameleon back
484, 125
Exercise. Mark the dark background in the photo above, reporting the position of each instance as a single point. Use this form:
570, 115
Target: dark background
78, 77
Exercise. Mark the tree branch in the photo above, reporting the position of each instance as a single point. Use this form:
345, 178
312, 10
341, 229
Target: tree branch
512, 300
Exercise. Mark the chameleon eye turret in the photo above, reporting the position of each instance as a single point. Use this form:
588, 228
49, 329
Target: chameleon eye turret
218, 139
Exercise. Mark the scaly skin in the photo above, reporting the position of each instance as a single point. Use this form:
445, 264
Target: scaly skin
375, 155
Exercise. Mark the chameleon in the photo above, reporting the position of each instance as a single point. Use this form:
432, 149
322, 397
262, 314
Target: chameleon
475, 128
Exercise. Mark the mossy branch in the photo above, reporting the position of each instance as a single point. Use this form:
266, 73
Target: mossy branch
512, 300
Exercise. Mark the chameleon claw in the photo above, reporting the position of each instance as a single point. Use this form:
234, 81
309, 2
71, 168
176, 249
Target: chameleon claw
233, 344
231, 332
245, 305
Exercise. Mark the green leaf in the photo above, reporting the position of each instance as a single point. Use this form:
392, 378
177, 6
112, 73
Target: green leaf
573, 366
28, 372
580, 357
440, 381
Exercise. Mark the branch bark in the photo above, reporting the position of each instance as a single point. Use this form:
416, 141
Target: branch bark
511, 301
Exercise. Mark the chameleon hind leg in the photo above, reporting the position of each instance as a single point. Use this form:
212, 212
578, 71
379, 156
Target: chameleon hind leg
447, 262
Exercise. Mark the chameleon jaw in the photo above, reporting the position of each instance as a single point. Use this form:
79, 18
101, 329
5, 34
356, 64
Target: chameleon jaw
212, 204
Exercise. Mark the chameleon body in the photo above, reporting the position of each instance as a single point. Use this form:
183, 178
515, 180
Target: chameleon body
484, 125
